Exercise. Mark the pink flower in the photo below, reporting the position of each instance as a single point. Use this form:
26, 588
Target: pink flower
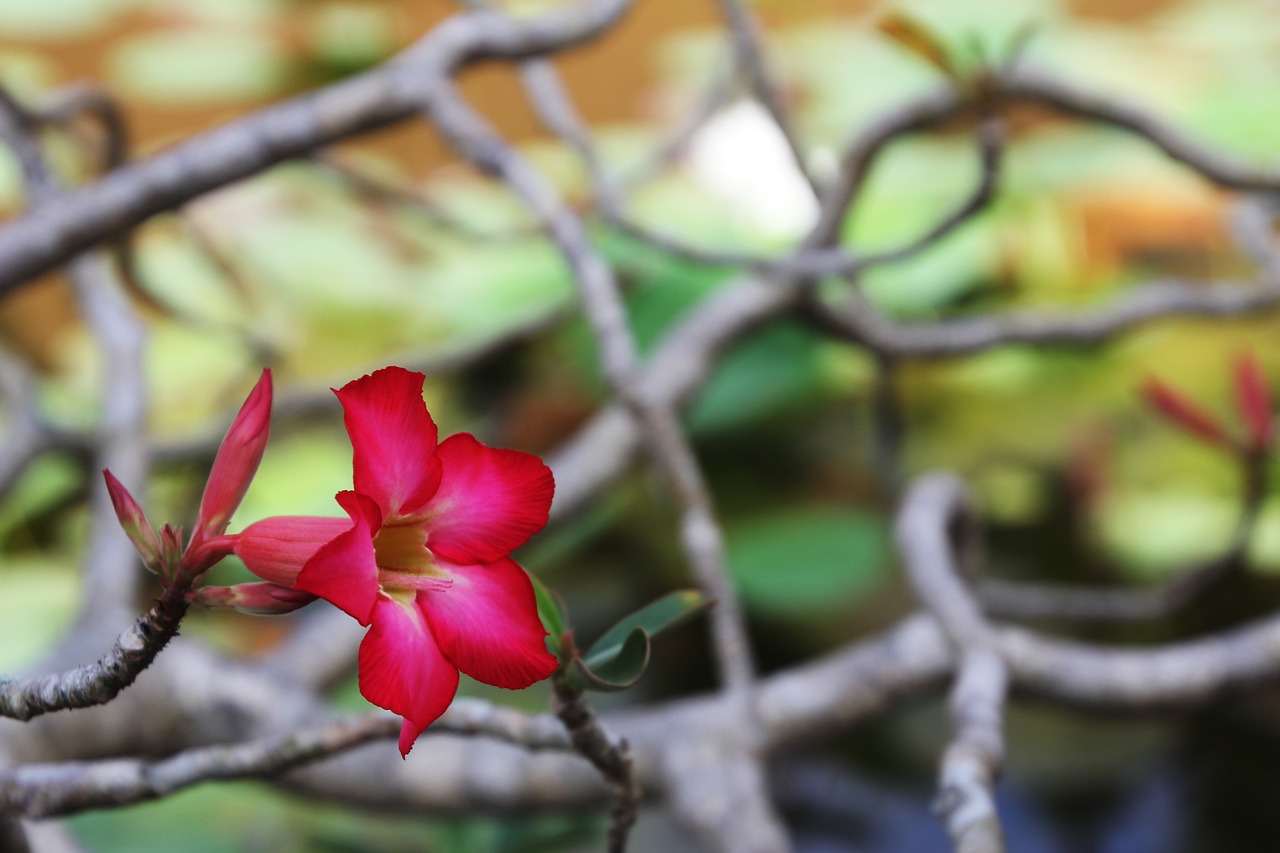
423, 557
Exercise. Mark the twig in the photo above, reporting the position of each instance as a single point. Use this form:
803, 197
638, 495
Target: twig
26, 434
713, 99
933, 507
744, 32
611, 758
1253, 227
472, 138
109, 573
377, 192
99, 682
668, 446
13, 837
1145, 303
1038, 87
46, 790
37, 241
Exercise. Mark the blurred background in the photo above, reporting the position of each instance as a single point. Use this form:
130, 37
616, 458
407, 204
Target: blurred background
388, 251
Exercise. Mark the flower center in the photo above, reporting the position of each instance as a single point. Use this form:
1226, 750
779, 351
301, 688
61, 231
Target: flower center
405, 564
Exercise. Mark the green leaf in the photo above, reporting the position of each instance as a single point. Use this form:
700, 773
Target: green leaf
618, 659
670, 610
806, 562
197, 67
22, 20
778, 370
617, 671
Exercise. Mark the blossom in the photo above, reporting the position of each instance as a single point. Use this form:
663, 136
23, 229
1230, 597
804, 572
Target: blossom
423, 556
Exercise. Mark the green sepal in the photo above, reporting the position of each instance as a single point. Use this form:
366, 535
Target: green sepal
552, 613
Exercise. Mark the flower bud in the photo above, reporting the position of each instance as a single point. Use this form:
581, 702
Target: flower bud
135, 523
1185, 413
261, 599
1253, 402
236, 463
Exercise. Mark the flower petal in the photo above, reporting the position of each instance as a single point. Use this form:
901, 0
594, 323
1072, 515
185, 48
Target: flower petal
487, 624
344, 571
490, 501
393, 438
275, 549
402, 669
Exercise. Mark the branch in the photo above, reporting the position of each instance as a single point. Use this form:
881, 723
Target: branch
746, 37
1029, 600
1036, 86
966, 798
47, 790
473, 139
73, 221
99, 682
109, 570
612, 759
859, 321
669, 448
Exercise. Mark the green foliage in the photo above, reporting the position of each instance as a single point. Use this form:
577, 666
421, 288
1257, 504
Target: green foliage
57, 19
193, 67
49, 482
618, 659
239, 816
802, 562
41, 594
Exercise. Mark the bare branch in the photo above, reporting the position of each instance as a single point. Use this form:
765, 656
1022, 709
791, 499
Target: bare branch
745, 34
75, 220
45, 790
1027, 600
611, 758
861, 322
98, 682
26, 435
669, 448
109, 571
471, 136
1035, 86
935, 506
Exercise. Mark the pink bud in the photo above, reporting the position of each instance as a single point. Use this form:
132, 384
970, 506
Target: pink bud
1254, 402
235, 464
1184, 413
135, 523
262, 599
275, 549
